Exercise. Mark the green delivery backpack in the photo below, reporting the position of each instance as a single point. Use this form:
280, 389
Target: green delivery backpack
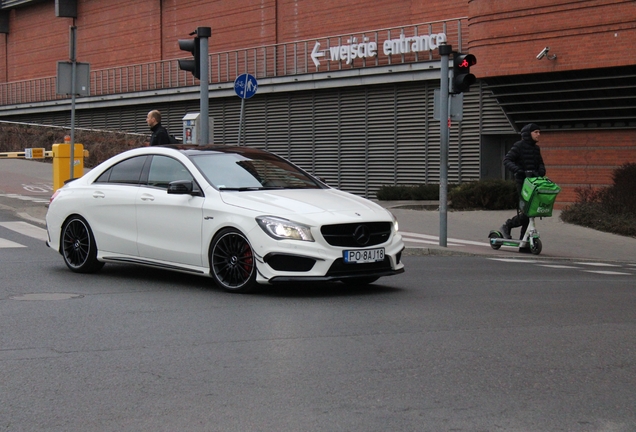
537, 196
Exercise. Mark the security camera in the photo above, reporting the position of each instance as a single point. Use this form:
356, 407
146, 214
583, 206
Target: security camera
543, 53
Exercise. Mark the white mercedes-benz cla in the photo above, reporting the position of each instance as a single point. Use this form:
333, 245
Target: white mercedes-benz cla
243, 216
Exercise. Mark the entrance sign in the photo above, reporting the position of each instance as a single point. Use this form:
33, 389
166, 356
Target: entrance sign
365, 48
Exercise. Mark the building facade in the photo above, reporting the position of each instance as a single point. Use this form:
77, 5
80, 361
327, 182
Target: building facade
346, 89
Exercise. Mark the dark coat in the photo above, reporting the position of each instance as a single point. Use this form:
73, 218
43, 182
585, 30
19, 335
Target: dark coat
525, 155
159, 135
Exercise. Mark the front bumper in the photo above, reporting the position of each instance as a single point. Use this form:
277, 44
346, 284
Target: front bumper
318, 261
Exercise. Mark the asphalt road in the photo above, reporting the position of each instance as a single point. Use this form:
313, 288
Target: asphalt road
454, 344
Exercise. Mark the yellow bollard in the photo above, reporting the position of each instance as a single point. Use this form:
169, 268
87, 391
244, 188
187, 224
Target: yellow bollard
62, 163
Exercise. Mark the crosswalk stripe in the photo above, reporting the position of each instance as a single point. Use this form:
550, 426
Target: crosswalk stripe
36, 199
27, 229
4, 243
416, 237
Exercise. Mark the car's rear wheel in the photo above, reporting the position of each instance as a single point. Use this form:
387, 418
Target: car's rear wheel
232, 263
78, 246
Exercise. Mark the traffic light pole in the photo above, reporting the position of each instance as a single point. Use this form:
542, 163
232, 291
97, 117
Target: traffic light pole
203, 33
444, 118
72, 55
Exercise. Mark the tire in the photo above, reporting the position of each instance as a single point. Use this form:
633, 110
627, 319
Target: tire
360, 281
79, 249
232, 262
536, 247
494, 234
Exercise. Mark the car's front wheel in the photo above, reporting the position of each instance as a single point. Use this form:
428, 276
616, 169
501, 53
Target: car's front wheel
78, 246
232, 263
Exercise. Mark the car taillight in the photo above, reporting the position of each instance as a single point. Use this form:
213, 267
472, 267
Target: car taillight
54, 195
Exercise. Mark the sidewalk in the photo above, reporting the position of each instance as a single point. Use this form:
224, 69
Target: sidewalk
26, 186
560, 240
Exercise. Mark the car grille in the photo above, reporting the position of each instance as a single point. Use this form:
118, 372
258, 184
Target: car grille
356, 234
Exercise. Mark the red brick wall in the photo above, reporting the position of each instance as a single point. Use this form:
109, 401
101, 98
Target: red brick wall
118, 32
234, 24
303, 19
36, 41
3, 62
506, 36
123, 32
580, 159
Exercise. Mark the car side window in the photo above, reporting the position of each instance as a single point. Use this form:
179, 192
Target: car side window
164, 170
126, 172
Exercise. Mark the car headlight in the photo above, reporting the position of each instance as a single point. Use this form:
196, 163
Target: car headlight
395, 221
284, 229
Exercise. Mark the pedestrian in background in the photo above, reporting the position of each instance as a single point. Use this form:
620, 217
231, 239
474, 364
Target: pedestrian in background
159, 133
523, 160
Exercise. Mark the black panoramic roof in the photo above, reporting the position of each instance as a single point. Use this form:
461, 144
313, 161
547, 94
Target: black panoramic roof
193, 150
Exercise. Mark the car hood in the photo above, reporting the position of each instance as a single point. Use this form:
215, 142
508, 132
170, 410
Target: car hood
307, 202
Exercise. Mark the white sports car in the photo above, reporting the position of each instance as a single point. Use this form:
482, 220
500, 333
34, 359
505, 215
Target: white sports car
239, 215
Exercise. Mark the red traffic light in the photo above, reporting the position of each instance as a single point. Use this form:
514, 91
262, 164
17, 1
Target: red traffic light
462, 78
465, 61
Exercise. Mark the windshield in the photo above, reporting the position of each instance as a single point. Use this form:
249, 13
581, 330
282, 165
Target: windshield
231, 171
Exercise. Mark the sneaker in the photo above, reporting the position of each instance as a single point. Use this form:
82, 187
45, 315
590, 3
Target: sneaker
505, 231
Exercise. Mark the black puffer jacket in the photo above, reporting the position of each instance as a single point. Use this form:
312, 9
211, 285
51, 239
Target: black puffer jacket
525, 155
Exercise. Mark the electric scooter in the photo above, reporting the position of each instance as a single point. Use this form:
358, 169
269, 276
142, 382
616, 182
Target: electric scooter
537, 199
530, 239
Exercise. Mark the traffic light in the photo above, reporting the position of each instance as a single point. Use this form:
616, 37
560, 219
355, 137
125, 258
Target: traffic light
462, 78
194, 66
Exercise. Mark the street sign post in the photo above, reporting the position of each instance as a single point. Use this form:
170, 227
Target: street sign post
245, 86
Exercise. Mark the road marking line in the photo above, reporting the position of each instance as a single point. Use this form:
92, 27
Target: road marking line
559, 266
608, 272
4, 243
597, 264
516, 260
27, 198
435, 238
26, 229
411, 240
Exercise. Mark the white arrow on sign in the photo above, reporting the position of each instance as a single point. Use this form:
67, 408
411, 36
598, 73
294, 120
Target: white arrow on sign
315, 54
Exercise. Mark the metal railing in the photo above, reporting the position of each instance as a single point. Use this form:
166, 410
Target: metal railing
268, 61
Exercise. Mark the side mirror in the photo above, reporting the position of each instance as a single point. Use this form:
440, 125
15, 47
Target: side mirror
180, 187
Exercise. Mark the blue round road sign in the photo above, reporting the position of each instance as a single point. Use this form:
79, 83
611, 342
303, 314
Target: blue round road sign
245, 86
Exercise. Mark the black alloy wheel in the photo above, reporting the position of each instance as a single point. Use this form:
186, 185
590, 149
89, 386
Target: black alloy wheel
78, 246
232, 262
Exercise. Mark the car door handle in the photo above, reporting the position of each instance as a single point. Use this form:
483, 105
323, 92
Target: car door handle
147, 197
99, 195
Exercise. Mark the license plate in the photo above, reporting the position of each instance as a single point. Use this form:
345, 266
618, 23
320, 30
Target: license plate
363, 256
